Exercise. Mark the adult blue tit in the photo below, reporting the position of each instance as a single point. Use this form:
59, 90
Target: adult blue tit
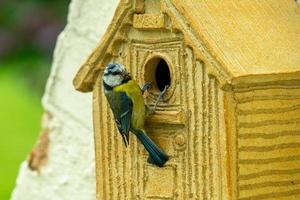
127, 104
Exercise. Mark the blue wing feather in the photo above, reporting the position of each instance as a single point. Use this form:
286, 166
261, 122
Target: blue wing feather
121, 106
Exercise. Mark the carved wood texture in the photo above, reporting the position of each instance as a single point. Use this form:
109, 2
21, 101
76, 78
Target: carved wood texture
197, 166
240, 143
268, 126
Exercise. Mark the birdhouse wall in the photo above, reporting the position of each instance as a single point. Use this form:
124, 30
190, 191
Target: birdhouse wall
268, 127
238, 142
189, 125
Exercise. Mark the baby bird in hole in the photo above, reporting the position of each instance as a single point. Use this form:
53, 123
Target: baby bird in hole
125, 98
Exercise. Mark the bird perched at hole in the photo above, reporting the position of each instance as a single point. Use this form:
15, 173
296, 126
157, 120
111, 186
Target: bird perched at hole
125, 98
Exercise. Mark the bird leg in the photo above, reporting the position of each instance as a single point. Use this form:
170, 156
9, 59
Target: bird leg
146, 87
160, 96
152, 110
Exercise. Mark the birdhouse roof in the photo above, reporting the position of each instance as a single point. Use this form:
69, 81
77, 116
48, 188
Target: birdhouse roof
250, 37
247, 38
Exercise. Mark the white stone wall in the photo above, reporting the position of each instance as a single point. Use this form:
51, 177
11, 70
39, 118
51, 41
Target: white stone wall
70, 170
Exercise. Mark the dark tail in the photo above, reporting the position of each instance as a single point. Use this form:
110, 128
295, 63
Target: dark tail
156, 155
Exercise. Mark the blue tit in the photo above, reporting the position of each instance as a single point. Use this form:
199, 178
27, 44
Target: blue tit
127, 104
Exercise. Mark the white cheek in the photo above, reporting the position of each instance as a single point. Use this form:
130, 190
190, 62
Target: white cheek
112, 80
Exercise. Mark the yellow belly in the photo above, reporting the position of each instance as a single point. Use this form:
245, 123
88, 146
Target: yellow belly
134, 92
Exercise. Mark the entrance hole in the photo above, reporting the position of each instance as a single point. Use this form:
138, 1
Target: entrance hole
157, 72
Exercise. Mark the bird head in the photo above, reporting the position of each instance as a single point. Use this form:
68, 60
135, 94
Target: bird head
115, 74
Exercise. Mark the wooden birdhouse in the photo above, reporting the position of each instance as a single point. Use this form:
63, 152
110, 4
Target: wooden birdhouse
230, 119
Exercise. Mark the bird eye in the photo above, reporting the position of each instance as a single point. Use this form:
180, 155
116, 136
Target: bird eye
115, 73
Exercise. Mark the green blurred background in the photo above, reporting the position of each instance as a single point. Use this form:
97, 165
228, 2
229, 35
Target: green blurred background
28, 31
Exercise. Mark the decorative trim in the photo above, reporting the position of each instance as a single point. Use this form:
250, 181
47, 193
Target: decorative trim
148, 21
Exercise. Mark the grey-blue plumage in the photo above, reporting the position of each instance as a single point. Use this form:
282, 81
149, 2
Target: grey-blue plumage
121, 106
156, 155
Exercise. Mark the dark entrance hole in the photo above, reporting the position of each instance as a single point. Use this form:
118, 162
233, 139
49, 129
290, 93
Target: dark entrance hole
157, 72
162, 75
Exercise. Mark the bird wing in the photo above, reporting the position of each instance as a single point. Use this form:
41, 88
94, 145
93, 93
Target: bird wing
121, 106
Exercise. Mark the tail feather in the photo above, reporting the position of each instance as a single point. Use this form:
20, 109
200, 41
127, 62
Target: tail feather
156, 155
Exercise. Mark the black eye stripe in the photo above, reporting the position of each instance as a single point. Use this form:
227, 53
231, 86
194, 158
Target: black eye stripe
112, 73
116, 73
111, 66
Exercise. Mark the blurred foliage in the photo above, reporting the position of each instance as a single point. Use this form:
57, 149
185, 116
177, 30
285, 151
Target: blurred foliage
28, 32
20, 123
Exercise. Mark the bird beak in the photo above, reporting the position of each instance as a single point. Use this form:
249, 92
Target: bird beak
125, 74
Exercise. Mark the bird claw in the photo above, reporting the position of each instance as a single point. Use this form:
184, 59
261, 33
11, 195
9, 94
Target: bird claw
150, 111
159, 98
164, 91
146, 87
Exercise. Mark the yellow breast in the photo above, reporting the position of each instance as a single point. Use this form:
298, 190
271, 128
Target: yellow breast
132, 89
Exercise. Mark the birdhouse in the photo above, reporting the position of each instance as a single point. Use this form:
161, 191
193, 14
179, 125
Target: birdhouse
230, 120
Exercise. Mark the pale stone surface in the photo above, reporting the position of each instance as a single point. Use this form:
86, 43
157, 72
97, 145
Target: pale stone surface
69, 172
